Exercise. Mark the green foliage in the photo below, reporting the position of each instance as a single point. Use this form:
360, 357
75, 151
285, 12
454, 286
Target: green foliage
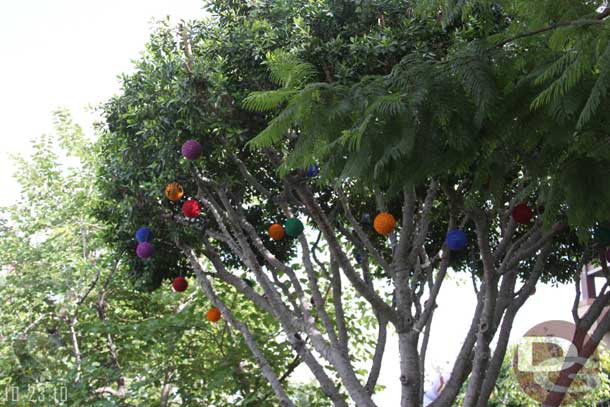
52, 253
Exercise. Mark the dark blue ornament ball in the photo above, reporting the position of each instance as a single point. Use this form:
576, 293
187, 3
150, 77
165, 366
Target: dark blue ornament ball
456, 239
313, 170
144, 234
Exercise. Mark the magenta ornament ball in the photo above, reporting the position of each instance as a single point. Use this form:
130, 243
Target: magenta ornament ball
191, 150
145, 250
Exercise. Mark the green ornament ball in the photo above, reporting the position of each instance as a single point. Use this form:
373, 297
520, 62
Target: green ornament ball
602, 236
293, 227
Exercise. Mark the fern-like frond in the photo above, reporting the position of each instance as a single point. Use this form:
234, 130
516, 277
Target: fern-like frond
288, 70
566, 81
267, 100
276, 130
599, 90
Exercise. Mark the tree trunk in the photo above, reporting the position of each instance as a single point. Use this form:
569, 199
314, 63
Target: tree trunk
409, 369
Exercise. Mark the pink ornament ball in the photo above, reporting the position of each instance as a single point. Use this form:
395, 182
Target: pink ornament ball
145, 250
191, 150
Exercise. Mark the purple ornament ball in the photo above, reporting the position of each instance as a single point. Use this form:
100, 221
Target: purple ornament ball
191, 150
145, 250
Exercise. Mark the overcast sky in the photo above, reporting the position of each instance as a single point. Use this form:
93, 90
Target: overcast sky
68, 53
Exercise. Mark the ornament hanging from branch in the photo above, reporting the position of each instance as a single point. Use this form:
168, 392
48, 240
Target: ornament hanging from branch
313, 170
180, 284
294, 227
384, 223
213, 314
276, 232
522, 214
145, 250
456, 240
144, 234
191, 208
174, 191
191, 150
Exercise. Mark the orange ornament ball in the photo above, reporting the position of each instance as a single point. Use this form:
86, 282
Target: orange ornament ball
276, 231
174, 191
384, 223
213, 314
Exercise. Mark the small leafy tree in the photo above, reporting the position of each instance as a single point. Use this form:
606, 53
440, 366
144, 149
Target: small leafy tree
74, 329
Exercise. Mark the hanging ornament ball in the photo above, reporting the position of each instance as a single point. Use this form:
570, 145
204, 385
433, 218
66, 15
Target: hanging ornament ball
358, 258
276, 232
191, 150
522, 214
145, 250
384, 223
294, 227
180, 284
191, 208
602, 236
174, 191
313, 170
144, 234
456, 239
213, 314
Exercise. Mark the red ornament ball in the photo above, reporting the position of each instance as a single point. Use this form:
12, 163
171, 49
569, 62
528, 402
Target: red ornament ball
191, 208
213, 314
522, 214
191, 150
180, 284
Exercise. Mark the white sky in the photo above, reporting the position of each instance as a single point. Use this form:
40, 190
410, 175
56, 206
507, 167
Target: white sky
68, 53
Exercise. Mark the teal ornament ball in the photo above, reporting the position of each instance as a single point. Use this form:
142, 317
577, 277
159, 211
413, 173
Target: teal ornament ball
293, 227
602, 236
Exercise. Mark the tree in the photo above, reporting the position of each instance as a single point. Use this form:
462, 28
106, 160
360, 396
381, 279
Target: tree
430, 122
76, 332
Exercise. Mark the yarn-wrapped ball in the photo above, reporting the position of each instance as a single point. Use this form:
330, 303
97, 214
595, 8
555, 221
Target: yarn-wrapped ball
144, 234
145, 250
602, 235
313, 170
213, 314
294, 227
456, 239
191, 208
384, 223
174, 191
191, 150
180, 284
276, 232
522, 214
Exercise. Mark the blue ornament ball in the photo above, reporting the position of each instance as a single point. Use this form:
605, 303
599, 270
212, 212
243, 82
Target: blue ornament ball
456, 239
358, 258
144, 234
313, 170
